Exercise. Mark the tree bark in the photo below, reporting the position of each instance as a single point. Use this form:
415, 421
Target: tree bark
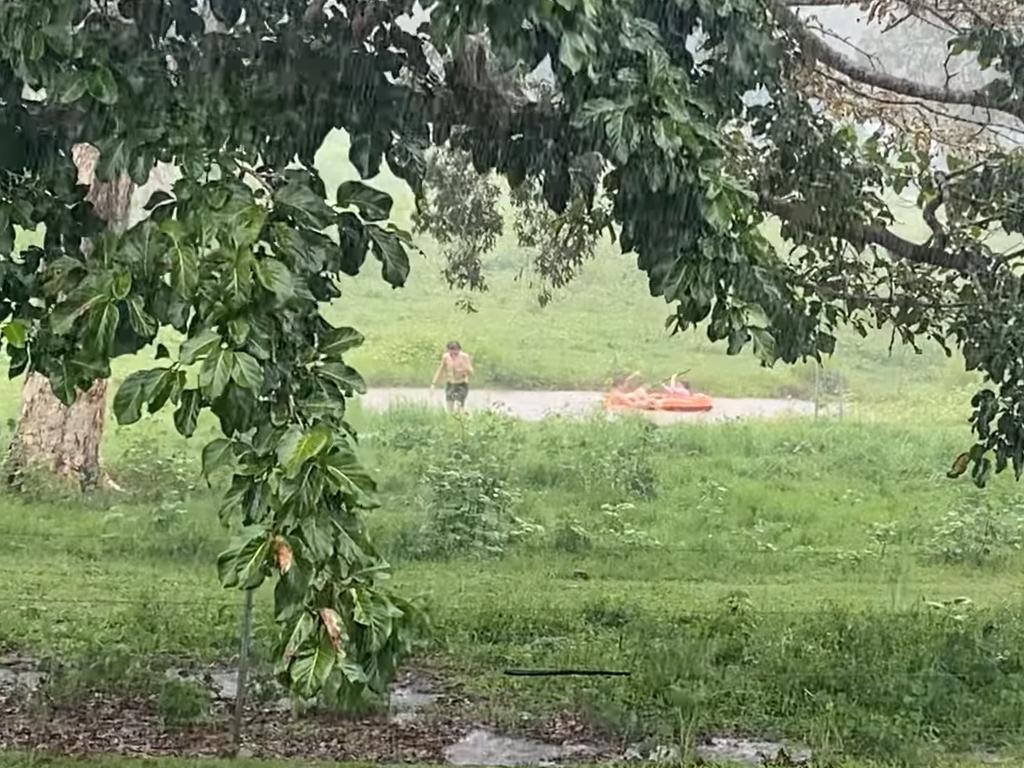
51, 437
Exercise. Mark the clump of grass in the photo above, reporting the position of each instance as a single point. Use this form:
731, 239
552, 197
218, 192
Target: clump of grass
183, 702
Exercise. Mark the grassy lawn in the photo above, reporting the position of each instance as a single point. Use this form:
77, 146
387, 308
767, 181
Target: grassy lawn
799, 579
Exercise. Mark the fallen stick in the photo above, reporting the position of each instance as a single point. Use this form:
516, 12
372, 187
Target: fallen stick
564, 673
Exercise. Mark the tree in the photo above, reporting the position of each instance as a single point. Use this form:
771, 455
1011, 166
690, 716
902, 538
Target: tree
652, 96
460, 208
53, 436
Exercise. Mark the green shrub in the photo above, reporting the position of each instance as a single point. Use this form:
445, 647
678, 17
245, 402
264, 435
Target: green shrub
613, 530
469, 507
183, 702
976, 533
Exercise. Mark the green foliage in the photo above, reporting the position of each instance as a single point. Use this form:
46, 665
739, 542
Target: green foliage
236, 259
470, 507
183, 702
614, 530
976, 533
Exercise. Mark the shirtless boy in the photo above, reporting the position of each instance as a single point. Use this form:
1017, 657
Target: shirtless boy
456, 367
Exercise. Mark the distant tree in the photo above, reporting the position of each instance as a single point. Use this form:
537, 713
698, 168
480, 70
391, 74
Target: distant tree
462, 210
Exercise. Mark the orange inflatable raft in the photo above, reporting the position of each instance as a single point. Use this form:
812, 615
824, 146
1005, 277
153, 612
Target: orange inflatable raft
668, 399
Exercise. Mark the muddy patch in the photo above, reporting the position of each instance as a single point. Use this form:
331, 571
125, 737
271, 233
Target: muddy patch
425, 721
486, 748
222, 682
724, 750
20, 673
411, 700
750, 752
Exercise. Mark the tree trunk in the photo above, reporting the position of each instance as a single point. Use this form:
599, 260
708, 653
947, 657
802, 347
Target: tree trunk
53, 437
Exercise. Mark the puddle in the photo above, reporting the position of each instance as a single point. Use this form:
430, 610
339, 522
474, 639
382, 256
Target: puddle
221, 682
409, 700
721, 750
225, 684
486, 748
748, 751
20, 673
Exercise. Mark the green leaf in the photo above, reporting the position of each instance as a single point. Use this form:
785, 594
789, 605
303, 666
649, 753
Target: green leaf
62, 384
141, 166
113, 160
247, 372
16, 333
317, 536
297, 447
141, 322
275, 277
235, 408
244, 222
372, 204
77, 304
982, 471
350, 478
121, 286
6, 232
102, 86
362, 155
310, 670
72, 88
307, 207
353, 671
168, 387
103, 329
198, 346
389, 248
219, 453
344, 376
304, 628
238, 329
372, 615
227, 11
246, 566
216, 372
185, 268
134, 392
187, 413
338, 341
573, 51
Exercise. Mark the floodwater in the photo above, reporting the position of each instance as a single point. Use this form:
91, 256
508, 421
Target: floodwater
538, 405
482, 747
20, 673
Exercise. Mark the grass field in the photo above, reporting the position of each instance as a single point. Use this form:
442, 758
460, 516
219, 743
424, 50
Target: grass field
820, 581
798, 579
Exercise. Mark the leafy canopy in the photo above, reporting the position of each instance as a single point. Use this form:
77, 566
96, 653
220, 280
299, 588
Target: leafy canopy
648, 124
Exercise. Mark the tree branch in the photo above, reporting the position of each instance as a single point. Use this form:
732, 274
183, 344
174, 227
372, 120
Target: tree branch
963, 260
819, 50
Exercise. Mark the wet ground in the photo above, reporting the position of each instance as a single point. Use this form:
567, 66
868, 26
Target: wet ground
537, 405
427, 721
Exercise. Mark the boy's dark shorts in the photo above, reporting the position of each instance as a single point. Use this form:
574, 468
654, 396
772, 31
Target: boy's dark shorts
456, 393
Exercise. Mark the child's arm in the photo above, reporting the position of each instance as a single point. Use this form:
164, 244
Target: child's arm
440, 370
